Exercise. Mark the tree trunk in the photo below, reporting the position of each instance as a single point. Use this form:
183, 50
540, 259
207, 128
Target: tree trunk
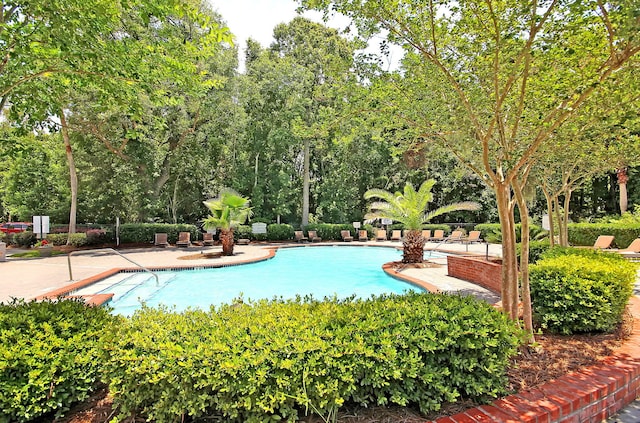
527, 311
623, 178
226, 238
413, 247
73, 175
565, 217
305, 185
552, 231
509, 289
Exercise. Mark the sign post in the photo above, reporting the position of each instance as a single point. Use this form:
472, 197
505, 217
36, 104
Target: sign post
41, 226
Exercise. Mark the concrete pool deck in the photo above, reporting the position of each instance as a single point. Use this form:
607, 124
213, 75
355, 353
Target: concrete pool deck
31, 278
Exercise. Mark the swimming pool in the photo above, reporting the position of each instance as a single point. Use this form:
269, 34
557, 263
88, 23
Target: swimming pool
318, 271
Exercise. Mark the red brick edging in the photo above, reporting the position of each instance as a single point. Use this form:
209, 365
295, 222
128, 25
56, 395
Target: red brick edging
589, 395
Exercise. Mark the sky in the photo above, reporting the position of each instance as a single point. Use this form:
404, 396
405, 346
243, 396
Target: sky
257, 18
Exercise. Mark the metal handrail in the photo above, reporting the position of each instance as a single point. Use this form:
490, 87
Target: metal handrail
114, 251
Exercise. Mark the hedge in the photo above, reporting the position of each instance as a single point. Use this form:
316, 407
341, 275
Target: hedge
271, 360
145, 232
576, 291
587, 233
49, 357
492, 232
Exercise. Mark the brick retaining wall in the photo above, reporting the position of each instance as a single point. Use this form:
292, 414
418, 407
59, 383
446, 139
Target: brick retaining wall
487, 274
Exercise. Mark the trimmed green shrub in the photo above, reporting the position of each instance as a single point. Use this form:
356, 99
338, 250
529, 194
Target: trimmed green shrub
331, 231
279, 232
577, 291
587, 233
75, 240
24, 239
492, 232
536, 250
242, 231
49, 356
145, 232
270, 360
3, 237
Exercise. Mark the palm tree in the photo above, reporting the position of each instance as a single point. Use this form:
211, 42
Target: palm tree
410, 209
228, 210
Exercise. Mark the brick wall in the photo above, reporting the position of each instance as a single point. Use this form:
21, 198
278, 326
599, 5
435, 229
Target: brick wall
484, 273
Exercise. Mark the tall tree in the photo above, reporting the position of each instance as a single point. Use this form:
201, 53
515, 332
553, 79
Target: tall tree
52, 49
493, 80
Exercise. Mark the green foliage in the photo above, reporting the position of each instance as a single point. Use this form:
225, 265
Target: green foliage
76, 240
410, 206
24, 239
329, 231
575, 290
492, 232
242, 231
144, 232
270, 360
49, 356
3, 237
624, 231
279, 232
228, 210
536, 250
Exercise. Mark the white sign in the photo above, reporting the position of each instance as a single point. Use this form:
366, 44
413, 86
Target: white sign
259, 228
545, 222
386, 221
41, 225
356, 225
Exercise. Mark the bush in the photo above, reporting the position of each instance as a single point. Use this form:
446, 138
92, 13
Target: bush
242, 231
3, 237
577, 291
96, 236
269, 360
536, 250
145, 232
279, 232
25, 239
330, 231
492, 232
587, 233
49, 356
75, 240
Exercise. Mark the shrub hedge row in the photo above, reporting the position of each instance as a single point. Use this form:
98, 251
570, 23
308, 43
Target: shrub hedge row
578, 290
587, 233
492, 232
49, 356
145, 232
272, 361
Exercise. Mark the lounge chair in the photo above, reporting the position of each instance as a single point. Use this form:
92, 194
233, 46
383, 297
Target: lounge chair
396, 235
243, 241
632, 251
603, 242
363, 235
438, 235
160, 240
207, 238
426, 234
300, 236
456, 236
381, 235
346, 236
313, 236
184, 239
474, 236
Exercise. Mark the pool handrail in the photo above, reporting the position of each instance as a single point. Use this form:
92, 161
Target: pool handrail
155, 275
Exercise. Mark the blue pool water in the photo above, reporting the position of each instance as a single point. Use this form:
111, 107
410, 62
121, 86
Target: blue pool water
317, 271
